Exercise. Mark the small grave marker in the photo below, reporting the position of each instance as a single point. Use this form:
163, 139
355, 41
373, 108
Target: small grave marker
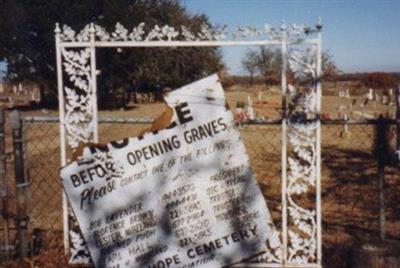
370, 94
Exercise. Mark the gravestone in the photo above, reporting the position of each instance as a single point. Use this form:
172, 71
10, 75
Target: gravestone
347, 94
385, 99
260, 95
377, 97
249, 109
376, 254
20, 89
181, 197
370, 94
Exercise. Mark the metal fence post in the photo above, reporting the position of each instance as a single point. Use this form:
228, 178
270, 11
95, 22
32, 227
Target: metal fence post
4, 188
284, 143
381, 154
398, 124
21, 184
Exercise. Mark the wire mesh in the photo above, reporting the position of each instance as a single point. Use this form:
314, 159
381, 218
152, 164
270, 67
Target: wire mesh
349, 179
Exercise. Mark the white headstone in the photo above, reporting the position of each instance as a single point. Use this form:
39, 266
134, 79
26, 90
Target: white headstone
260, 95
20, 89
38, 95
370, 95
250, 110
184, 197
345, 127
377, 97
385, 99
347, 94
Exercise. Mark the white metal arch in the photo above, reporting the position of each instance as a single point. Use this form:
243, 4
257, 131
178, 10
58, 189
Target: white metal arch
301, 127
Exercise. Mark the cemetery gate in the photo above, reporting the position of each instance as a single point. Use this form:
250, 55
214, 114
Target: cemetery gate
300, 47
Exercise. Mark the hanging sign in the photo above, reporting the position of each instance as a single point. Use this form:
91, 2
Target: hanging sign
182, 197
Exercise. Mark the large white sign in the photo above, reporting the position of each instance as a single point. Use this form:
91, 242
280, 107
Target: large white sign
182, 197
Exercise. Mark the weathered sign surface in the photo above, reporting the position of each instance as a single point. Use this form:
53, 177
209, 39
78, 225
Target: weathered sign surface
182, 197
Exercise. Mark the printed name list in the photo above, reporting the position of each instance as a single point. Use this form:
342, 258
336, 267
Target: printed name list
182, 197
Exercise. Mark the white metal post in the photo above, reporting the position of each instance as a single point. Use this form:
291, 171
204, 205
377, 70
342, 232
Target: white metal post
92, 32
318, 141
284, 143
62, 133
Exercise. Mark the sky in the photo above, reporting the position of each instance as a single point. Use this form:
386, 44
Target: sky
362, 35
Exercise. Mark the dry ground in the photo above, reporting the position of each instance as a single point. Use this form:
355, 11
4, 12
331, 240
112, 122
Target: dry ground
349, 176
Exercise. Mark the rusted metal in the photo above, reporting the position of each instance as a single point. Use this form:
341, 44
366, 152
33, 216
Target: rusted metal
4, 188
20, 185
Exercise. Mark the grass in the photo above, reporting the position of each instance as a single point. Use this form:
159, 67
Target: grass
349, 174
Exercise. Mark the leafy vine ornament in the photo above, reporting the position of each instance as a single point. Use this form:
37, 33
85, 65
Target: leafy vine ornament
187, 34
67, 34
303, 64
79, 122
84, 35
78, 249
273, 253
137, 33
168, 33
302, 158
102, 33
120, 33
301, 177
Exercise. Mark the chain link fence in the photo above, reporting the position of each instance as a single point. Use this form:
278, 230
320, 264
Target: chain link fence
349, 178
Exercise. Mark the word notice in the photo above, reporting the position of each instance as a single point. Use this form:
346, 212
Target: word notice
181, 197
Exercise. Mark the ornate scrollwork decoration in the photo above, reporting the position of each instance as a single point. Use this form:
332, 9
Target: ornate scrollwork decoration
302, 157
137, 33
303, 64
101, 33
78, 251
271, 32
187, 34
273, 253
221, 33
120, 33
84, 35
67, 34
245, 32
301, 180
168, 33
79, 100
205, 33
161, 33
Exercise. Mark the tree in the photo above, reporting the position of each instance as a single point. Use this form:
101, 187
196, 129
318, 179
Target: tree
380, 80
27, 43
269, 65
329, 68
250, 63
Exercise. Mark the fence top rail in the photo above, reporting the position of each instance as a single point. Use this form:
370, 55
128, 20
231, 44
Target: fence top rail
93, 35
149, 120
122, 120
376, 121
187, 43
